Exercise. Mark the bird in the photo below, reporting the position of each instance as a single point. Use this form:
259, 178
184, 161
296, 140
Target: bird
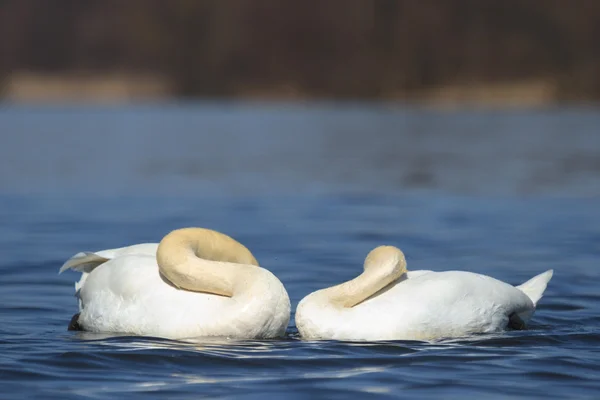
387, 302
196, 282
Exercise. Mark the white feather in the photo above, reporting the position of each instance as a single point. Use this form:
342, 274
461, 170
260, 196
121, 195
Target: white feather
121, 290
423, 305
536, 286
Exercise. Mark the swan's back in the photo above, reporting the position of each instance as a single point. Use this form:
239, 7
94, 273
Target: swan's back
426, 305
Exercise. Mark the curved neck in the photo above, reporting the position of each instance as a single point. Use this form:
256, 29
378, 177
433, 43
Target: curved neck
357, 290
203, 260
383, 265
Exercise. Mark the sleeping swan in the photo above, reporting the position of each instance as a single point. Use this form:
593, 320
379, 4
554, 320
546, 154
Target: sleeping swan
388, 303
196, 282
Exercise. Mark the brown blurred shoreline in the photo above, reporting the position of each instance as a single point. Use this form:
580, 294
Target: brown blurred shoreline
23, 88
516, 52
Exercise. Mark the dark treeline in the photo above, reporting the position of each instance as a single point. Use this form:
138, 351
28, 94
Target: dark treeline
317, 48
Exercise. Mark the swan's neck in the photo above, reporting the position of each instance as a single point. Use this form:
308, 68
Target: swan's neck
202, 260
383, 265
357, 290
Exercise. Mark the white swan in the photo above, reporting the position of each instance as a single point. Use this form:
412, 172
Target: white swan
388, 303
195, 283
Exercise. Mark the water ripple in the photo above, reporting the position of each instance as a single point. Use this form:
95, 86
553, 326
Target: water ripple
309, 242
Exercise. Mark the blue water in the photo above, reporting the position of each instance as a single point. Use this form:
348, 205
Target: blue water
310, 190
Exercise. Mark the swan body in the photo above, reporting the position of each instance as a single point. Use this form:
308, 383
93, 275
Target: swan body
387, 302
195, 283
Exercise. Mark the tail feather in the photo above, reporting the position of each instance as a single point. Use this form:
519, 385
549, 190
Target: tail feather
83, 262
535, 287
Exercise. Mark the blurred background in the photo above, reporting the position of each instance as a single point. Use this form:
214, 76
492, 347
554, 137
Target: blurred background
518, 52
467, 96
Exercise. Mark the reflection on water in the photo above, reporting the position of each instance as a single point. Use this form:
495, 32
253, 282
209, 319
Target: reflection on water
310, 190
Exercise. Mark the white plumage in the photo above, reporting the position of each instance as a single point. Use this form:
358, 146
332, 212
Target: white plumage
388, 303
125, 290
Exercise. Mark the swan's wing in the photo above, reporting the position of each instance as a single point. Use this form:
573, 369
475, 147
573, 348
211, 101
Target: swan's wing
460, 298
148, 249
416, 274
85, 262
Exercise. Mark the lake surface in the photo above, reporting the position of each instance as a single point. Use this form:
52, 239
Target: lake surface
310, 190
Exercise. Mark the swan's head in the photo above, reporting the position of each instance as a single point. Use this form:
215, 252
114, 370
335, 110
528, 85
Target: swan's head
387, 259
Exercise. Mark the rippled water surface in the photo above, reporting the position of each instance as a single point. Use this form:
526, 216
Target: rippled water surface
310, 190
